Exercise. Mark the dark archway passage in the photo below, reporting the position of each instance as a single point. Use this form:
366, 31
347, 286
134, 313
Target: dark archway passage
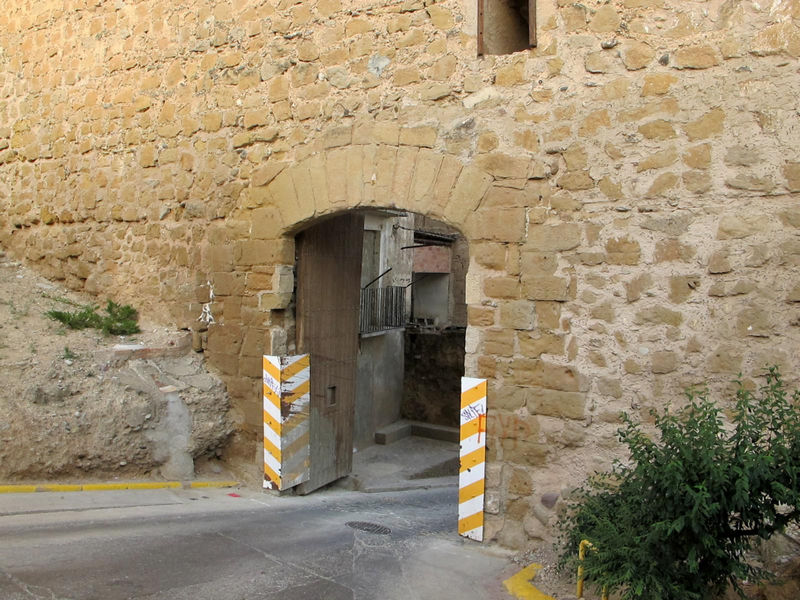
380, 308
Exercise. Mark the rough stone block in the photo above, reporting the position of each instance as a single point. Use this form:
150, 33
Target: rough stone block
510, 75
751, 183
663, 361
623, 251
659, 315
657, 130
599, 62
488, 254
499, 342
418, 136
337, 137
336, 175
719, 263
605, 20
742, 156
227, 283
546, 288
706, 126
406, 75
499, 224
681, 287
426, 169
441, 17
776, 39
636, 55
661, 184
501, 287
609, 387
741, 226
698, 157
576, 180
504, 165
403, 173
355, 178
268, 301
520, 483
434, 91
695, 57
518, 315
604, 312
697, 182
522, 452
218, 258
594, 121
255, 252
658, 160
481, 316
794, 294
754, 322
726, 358
556, 403
548, 315
791, 171
658, 84
617, 89
469, 189
539, 263
554, 238
533, 345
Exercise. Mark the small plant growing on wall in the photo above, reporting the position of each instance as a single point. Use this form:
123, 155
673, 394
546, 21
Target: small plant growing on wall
117, 320
675, 522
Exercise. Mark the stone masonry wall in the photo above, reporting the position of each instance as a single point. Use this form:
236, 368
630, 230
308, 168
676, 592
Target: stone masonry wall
628, 189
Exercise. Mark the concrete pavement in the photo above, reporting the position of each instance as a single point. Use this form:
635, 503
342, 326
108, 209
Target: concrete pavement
207, 544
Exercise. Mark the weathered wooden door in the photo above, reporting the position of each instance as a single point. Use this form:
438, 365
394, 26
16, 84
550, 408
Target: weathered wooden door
328, 293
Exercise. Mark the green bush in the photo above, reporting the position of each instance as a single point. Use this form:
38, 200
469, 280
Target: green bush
675, 522
118, 320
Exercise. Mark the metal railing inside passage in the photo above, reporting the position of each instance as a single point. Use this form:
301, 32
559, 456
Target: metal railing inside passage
382, 308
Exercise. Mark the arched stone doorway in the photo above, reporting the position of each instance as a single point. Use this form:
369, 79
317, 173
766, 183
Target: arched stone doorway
516, 286
380, 307
356, 178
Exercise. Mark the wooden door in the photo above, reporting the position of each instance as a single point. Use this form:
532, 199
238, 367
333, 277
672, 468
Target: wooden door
328, 300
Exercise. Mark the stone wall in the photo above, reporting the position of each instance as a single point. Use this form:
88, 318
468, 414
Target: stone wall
628, 189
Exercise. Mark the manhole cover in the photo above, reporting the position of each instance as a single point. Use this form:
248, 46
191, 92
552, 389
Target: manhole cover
368, 527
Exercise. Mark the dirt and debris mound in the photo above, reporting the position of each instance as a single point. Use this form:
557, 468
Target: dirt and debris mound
84, 404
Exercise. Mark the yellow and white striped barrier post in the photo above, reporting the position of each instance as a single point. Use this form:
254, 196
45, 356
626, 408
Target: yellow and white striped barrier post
286, 428
472, 473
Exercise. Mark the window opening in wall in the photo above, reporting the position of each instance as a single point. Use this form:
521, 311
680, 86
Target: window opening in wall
506, 26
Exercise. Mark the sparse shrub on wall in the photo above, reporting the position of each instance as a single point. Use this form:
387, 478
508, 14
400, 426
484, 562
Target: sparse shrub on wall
118, 320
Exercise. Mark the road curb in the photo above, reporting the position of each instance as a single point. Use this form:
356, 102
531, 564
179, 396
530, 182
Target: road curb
520, 585
100, 487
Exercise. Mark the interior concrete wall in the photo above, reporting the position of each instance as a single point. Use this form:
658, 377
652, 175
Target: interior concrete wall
432, 298
379, 387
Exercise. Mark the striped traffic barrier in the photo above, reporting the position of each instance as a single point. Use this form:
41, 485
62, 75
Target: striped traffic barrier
286, 421
472, 472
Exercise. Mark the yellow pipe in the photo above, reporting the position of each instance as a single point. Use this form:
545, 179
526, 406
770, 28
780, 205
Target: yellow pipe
581, 555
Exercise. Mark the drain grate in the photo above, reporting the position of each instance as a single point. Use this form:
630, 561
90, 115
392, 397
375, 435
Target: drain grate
369, 527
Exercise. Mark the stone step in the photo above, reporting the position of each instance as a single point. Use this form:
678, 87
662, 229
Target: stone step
403, 428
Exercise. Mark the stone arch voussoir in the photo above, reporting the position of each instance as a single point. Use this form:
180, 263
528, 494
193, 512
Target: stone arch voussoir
355, 176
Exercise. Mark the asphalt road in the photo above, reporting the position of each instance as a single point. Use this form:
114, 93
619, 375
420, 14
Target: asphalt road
207, 544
